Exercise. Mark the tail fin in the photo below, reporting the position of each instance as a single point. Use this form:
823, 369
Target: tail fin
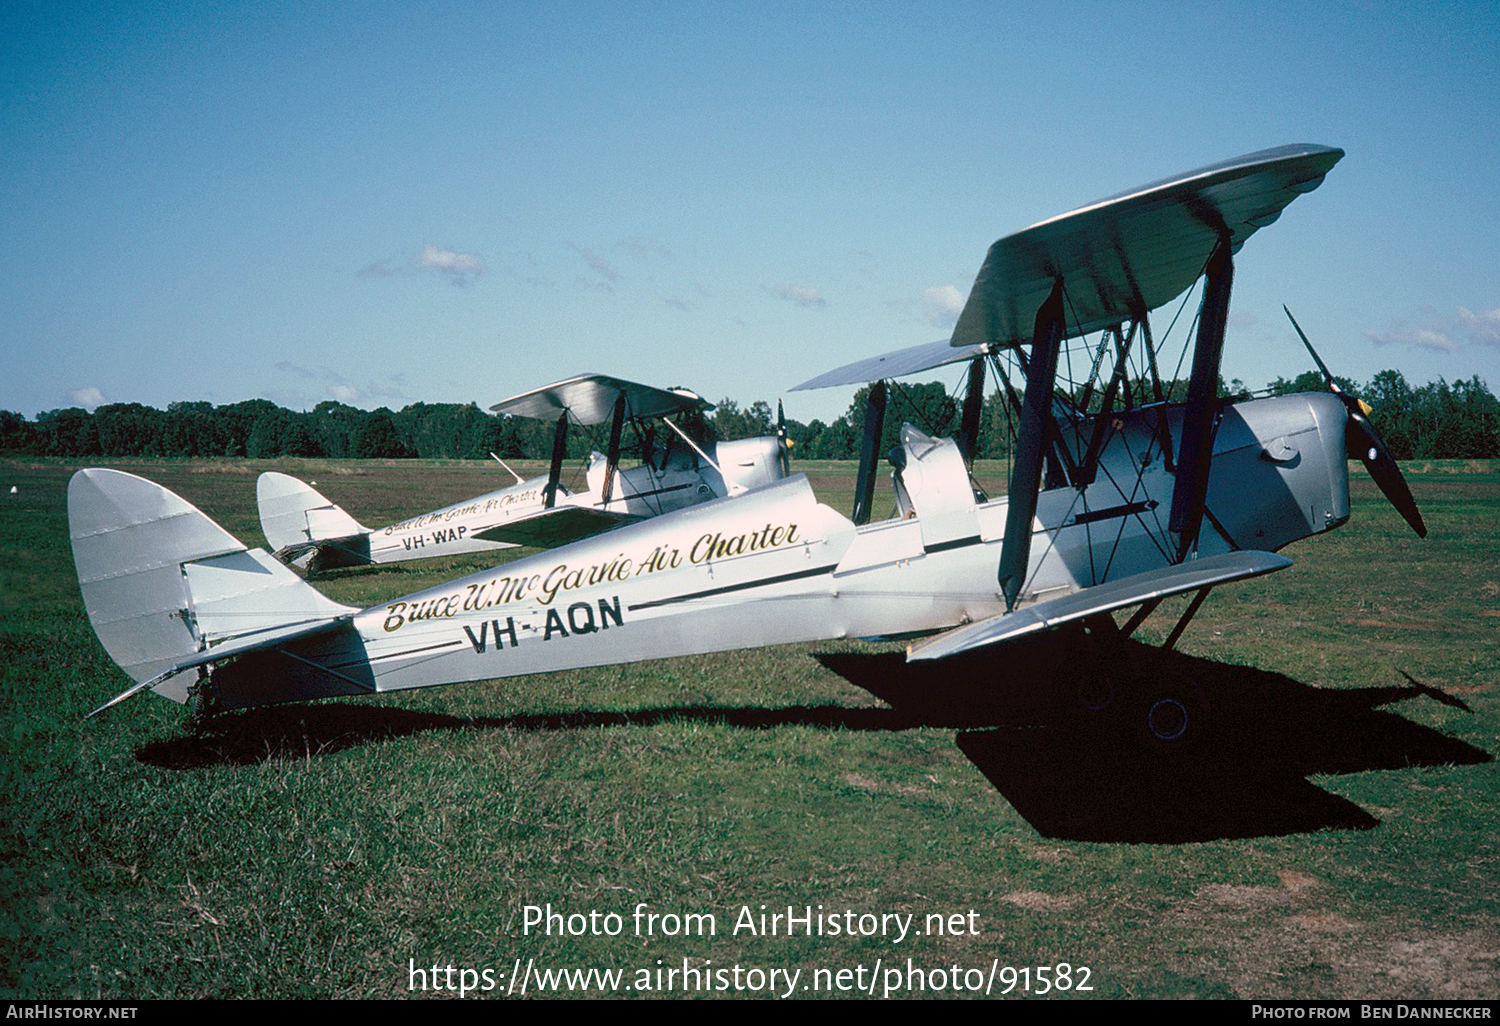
297, 519
166, 588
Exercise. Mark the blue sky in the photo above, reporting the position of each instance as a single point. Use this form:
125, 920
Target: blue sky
451, 202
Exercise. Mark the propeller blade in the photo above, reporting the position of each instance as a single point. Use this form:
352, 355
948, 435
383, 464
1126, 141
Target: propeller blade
784, 446
1364, 444
1333, 386
1436, 694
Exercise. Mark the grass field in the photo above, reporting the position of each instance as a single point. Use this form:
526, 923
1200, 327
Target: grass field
1332, 834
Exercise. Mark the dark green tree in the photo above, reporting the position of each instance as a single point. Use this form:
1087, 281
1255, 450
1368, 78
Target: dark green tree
17, 436
68, 432
379, 439
130, 429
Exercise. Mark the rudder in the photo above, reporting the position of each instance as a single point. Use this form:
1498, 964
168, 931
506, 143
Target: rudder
296, 518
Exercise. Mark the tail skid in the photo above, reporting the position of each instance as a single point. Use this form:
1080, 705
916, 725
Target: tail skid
166, 589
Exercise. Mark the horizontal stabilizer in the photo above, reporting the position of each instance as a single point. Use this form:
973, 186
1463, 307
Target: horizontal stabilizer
1101, 598
248, 594
253, 642
557, 526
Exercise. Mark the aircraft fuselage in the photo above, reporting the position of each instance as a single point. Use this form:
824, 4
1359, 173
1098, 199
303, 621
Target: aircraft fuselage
774, 565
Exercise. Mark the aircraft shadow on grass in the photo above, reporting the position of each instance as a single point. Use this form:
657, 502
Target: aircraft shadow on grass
1076, 760
1065, 743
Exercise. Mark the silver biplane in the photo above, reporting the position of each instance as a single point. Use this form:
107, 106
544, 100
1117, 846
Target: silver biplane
308, 530
1112, 504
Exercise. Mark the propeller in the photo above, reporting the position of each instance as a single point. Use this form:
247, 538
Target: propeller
784, 444
1364, 444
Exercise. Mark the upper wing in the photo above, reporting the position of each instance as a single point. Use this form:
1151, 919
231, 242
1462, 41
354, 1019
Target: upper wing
1128, 254
895, 365
1101, 598
590, 398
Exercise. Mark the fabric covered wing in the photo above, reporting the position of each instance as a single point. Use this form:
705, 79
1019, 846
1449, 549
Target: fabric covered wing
1128, 254
894, 365
590, 398
1101, 598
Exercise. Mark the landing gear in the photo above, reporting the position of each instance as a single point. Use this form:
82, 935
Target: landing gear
1162, 711
1096, 691
203, 704
1168, 719
1137, 694
1168, 709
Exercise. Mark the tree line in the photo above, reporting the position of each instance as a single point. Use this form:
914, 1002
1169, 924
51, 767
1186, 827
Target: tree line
1440, 420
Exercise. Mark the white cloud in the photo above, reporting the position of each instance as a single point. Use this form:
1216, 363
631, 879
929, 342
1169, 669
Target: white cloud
1443, 334
460, 268
1403, 334
1483, 328
802, 295
326, 383
288, 367
89, 397
941, 306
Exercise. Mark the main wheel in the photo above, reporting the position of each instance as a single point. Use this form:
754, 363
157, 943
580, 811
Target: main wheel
1174, 712
1169, 720
1096, 691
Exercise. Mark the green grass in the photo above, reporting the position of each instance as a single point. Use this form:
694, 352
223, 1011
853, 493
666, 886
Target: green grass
1313, 844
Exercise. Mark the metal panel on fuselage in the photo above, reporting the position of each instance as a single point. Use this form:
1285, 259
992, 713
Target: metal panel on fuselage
449, 531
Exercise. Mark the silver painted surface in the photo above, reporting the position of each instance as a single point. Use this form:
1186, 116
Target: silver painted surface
590, 399
162, 583
1130, 253
1103, 598
894, 365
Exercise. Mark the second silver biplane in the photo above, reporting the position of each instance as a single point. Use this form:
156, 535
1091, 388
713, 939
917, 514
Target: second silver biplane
675, 470
1113, 504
